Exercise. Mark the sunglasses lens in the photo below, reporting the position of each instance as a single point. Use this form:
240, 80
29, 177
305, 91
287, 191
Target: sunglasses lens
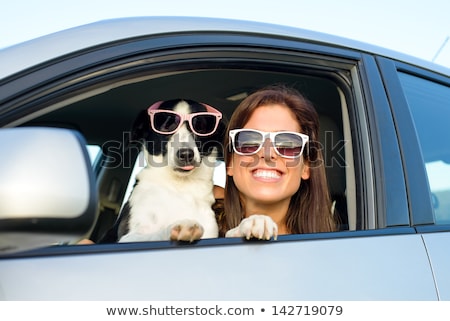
166, 122
288, 144
247, 142
204, 124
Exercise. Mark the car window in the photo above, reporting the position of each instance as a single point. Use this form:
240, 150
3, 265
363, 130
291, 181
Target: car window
429, 105
114, 151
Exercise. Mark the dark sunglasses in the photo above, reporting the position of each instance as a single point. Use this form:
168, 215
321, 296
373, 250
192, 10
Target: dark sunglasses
168, 122
250, 141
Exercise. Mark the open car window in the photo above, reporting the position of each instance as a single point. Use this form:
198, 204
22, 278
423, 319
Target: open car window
119, 163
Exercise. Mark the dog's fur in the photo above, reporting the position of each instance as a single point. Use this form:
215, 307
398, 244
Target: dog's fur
170, 202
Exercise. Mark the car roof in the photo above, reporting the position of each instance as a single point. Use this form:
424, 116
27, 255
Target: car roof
30, 53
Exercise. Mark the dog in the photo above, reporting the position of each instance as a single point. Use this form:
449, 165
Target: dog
173, 195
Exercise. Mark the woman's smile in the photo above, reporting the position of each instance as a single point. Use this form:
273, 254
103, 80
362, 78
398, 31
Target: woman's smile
266, 174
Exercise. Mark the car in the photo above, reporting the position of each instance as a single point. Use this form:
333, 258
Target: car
67, 103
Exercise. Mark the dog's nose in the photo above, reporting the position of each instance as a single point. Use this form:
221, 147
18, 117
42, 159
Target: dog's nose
185, 155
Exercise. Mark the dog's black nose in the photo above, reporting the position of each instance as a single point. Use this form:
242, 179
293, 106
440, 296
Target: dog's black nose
185, 155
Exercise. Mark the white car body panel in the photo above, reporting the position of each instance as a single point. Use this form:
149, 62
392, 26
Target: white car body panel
438, 248
360, 268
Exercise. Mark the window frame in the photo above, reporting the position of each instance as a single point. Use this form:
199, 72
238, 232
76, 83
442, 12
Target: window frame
416, 178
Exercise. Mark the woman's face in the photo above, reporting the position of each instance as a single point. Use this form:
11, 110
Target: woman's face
267, 178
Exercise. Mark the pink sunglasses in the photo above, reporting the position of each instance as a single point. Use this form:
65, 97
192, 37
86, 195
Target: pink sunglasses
168, 122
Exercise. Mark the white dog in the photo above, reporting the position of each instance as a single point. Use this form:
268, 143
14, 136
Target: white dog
173, 195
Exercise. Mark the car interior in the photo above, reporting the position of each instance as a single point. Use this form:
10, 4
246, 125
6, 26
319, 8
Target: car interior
104, 115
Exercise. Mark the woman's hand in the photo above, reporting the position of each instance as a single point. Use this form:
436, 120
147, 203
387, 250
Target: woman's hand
261, 227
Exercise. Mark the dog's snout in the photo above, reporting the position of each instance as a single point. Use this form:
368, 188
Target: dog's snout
185, 155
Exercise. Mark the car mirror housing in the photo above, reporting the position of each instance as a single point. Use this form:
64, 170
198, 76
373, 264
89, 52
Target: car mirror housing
48, 193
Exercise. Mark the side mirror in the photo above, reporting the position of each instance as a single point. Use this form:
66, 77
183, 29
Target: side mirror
48, 193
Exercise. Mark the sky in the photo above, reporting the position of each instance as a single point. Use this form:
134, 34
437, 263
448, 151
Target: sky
416, 27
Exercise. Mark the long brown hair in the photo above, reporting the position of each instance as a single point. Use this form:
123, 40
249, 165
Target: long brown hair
310, 207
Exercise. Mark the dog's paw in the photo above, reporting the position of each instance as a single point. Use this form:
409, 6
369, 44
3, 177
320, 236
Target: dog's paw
256, 226
188, 231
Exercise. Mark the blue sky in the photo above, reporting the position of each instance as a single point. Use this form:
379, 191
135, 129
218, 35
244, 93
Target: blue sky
417, 28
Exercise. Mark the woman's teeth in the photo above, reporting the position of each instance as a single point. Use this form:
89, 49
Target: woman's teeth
266, 174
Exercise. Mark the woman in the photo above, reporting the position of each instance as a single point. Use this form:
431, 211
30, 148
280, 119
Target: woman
276, 181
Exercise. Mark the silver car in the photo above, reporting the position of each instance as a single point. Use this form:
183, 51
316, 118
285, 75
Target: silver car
68, 99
